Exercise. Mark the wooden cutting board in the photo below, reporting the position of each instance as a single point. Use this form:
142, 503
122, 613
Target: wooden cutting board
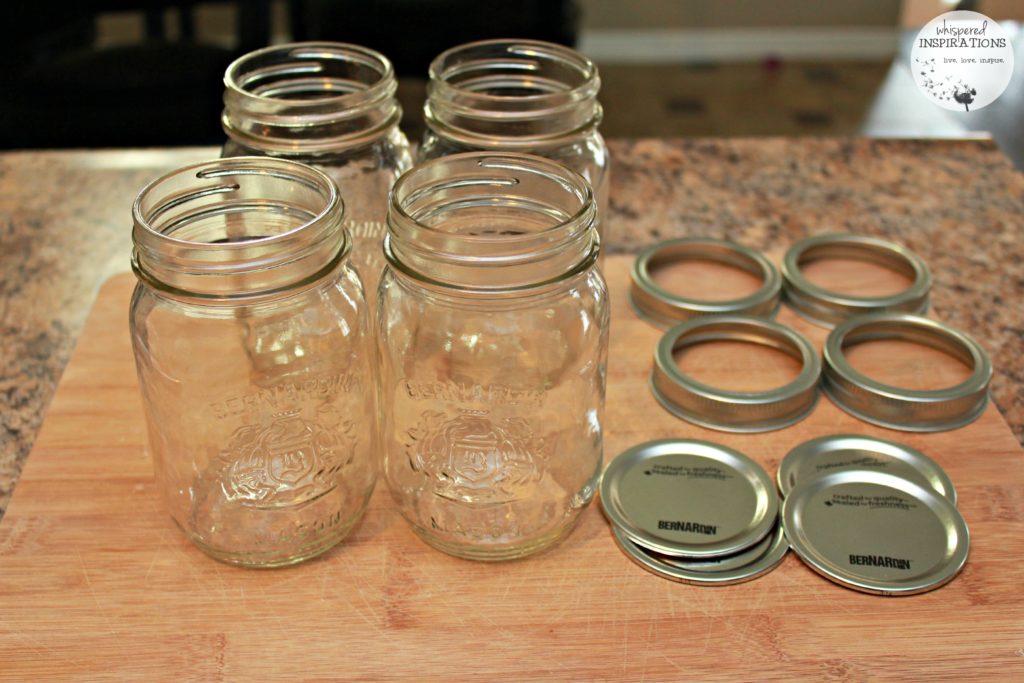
96, 583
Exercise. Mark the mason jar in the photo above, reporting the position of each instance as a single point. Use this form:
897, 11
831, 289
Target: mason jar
254, 358
518, 96
332, 106
493, 336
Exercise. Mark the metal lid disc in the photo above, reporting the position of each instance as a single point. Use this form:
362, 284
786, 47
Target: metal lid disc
771, 551
724, 563
851, 451
875, 532
689, 498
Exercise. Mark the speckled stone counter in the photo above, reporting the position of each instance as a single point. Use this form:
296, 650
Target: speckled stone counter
65, 227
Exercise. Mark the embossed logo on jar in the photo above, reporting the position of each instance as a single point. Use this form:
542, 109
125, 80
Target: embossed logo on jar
287, 462
457, 391
284, 395
472, 455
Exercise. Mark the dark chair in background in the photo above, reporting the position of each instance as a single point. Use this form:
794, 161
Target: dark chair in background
412, 32
60, 90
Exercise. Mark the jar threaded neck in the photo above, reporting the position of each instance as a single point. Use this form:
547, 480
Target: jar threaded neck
512, 94
489, 222
309, 98
237, 227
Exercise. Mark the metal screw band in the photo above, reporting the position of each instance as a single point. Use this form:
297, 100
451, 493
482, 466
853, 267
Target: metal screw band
827, 308
735, 411
665, 308
906, 409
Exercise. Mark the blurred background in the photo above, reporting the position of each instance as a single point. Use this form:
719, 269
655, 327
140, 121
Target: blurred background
114, 73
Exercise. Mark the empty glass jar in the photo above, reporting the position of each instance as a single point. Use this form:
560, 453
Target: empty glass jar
493, 327
254, 357
518, 96
330, 105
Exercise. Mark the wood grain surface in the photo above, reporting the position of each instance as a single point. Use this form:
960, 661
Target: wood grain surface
97, 584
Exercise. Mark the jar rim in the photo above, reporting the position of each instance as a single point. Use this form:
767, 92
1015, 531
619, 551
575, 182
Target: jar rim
362, 111
220, 259
583, 64
242, 165
386, 73
520, 188
468, 98
585, 193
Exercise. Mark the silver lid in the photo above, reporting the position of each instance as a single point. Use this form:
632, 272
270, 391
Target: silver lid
735, 411
665, 308
875, 532
852, 451
689, 498
906, 409
747, 565
723, 563
827, 308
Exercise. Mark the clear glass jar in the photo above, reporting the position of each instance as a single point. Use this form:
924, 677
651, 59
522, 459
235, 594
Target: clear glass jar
493, 336
332, 106
255, 358
518, 96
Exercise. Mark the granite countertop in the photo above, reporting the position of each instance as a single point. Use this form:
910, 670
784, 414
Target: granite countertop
65, 228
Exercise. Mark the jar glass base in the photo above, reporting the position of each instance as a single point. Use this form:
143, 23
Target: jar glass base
498, 553
281, 557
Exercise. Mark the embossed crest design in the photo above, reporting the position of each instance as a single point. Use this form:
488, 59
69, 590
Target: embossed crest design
287, 462
473, 455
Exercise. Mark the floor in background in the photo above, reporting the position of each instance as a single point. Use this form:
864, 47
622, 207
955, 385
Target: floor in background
729, 99
739, 99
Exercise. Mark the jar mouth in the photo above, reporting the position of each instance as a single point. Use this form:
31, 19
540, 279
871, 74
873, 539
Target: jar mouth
527, 70
487, 221
237, 226
309, 97
512, 88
